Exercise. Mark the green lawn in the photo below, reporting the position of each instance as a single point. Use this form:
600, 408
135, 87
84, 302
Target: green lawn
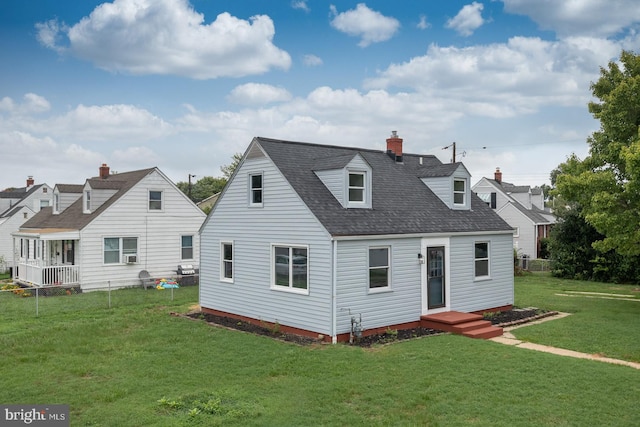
139, 366
599, 323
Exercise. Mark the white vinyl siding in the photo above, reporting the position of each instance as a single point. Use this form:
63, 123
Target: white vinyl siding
402, 302
158, 234
284, 220
467, 294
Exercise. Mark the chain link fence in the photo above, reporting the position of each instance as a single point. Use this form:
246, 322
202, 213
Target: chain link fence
533, 264
17, 301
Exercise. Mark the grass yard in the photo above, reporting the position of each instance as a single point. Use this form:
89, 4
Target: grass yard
600, 322
139, 366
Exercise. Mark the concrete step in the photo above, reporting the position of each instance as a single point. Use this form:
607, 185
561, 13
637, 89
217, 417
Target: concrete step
484, 333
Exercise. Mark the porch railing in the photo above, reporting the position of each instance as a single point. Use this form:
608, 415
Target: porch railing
49, 275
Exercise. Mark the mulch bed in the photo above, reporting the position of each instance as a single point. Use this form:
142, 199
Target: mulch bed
505, 318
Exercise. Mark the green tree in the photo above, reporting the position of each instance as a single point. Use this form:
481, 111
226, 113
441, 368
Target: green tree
202, 188
606, 184
228, 170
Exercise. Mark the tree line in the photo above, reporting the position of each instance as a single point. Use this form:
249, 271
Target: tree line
597, 199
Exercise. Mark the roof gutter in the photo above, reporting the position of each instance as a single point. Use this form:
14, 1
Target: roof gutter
418, 235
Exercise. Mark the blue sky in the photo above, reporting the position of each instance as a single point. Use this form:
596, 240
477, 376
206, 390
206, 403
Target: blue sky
183, 85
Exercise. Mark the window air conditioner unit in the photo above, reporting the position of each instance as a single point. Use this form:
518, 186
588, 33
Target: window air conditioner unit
130, 259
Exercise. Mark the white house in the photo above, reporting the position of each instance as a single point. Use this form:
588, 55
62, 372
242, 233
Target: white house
319, 238
109, 230
16, 207
520, 206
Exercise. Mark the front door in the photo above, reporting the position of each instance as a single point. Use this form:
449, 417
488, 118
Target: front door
435, 277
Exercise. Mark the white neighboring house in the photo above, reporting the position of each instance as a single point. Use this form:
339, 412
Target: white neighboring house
310, 237
520, 206
109, 230
16, 207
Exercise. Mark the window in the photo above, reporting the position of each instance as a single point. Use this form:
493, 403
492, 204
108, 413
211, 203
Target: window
356, 187
155, 200
87, 201
187, 247
379, 268
44, 203
117, 248
290, 268
56, 203
226, 262
481, 259
44, 189
255, 196
459, 191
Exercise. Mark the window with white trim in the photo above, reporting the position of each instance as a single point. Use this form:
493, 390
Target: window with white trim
56, 202
155, 200
226, 262
290, 268
186, 247
379, 268
481, 259
255, 189
87, 201
115, 249
357, 189
459, 191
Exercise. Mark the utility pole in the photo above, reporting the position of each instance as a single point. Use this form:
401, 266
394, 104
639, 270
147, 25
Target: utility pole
454, 151
189, 193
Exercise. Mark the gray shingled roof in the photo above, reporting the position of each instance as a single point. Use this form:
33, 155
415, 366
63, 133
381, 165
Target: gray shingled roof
402, 203
18, 193
70, 188
73, 218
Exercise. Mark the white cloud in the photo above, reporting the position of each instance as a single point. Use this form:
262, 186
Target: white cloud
35, 103
300, 4
169, 37
468, 19
131, 156
311, 60
258, 94
7, 104
423, 24
601, 18
503, 80
371, 26
114, 123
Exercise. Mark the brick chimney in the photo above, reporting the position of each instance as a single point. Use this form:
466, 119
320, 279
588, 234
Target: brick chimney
394, 147
30, 181
498, 176
104, 171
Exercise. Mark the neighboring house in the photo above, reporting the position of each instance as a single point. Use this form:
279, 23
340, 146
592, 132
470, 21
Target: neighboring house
522, 207
108, 230
314, 237
16, 207
207, 204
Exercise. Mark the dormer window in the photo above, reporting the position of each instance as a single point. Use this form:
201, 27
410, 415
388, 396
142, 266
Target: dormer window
357, 187
459, 191
56, 203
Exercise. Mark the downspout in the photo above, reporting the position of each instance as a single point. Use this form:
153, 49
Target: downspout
334, 268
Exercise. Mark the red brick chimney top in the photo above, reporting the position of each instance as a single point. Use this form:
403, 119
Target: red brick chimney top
30, 181
498, 175
394, 145
104, 171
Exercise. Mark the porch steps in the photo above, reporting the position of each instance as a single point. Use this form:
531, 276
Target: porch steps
467, 324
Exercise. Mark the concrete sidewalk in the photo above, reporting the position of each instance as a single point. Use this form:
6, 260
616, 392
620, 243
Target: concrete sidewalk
509, 339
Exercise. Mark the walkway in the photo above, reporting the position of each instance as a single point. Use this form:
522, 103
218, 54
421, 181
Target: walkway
509, 339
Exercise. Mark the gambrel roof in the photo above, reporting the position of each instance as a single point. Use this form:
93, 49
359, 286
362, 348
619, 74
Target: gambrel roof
401, 202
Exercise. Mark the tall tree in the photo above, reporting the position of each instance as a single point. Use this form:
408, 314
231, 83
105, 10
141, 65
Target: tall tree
228, 170
606, 184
